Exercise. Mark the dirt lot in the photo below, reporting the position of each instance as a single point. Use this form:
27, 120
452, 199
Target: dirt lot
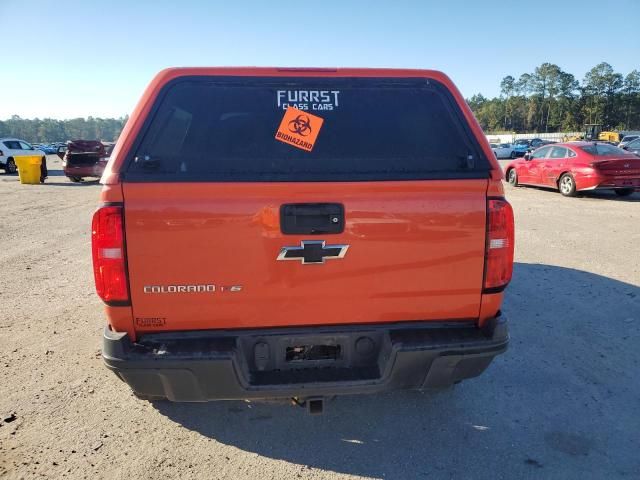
562, 403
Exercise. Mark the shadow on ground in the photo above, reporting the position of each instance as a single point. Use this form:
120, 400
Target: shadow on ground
562, 402
55, 178
68, 183
55, 174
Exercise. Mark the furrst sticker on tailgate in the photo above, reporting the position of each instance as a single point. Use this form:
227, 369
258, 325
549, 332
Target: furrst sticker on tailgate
299, 128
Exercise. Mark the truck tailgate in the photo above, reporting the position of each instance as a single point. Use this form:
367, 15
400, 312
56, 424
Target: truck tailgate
416, 252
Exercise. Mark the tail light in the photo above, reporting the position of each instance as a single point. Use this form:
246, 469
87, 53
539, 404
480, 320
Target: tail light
107, 243
498, 266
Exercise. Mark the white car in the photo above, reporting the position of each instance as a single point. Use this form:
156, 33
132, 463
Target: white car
627, 139
503, 150
12, 147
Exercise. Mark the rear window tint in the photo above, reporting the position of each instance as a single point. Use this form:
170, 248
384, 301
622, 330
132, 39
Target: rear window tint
223, 129
603, 150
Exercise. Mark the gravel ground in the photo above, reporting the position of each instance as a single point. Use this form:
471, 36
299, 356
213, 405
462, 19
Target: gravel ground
561, 403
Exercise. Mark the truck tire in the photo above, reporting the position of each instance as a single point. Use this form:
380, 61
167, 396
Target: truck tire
624, 192
512, 177
75, 179
567, 185
10, 167
513, 155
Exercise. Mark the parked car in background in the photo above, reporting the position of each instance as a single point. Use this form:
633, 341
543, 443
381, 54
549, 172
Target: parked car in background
577, 166
84, 158
539, 142
503, 150
521, 147
627, 139
48, 149
13, 147
633, 147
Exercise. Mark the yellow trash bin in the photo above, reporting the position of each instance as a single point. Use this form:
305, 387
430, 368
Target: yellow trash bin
29, 168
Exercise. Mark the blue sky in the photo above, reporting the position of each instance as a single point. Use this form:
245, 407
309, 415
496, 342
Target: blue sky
65, 59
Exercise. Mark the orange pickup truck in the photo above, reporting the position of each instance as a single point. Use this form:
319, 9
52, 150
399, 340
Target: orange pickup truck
301, 233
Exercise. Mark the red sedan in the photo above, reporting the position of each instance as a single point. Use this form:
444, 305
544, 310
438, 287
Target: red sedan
84, 158
577, 166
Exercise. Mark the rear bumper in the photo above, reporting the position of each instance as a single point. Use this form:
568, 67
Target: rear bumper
215, 365
604, 182
95, 170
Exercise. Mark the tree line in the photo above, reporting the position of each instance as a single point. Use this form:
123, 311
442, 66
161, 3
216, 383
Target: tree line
546, 100
552, 100
51, 130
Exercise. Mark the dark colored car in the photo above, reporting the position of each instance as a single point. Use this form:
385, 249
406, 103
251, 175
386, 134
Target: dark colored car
84, 158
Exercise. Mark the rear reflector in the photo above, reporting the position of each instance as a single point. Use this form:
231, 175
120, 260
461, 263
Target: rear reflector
498, 243
498, 266
107, 243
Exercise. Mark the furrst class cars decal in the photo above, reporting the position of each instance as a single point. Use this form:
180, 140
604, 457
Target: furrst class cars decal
308, 99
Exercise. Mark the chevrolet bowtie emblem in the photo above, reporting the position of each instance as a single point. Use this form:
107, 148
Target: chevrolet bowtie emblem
313, 251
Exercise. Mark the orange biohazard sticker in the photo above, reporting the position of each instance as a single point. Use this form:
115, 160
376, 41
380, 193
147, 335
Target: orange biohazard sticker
299, 128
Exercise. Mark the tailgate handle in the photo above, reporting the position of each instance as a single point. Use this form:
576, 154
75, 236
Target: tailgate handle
311, 218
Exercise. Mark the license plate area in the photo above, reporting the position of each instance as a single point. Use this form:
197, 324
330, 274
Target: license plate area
311, 353
626, 182
330, 357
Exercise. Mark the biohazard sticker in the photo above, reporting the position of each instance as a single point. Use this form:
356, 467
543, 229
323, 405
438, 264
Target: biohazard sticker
299, 129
